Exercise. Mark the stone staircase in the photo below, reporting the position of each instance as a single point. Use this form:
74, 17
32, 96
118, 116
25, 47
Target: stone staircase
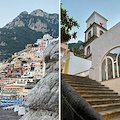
101, 98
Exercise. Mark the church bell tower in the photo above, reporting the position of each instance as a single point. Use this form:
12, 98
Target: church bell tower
96, 26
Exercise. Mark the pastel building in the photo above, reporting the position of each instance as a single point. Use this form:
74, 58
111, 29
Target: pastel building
17, 89
64, 49
18, 64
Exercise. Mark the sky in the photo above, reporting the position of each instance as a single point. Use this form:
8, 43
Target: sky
116, 50
9, 9
80, 10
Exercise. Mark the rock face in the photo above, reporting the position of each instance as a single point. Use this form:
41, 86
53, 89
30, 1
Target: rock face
37, 20
39, 13
43, 99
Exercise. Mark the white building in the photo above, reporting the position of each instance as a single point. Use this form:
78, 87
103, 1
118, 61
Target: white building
28, 74
96, 26
103, 50
75, 65
47, 36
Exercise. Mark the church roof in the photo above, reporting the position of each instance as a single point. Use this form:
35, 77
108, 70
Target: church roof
96, 14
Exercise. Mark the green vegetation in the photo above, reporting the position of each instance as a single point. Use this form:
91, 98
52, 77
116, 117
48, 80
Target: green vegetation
23, 37
77, 51
72, 45
76, 48
67, 24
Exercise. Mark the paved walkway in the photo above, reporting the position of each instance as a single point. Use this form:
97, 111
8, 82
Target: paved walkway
8, 115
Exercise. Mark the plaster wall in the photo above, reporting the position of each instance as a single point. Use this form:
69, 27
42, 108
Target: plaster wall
90, 21
90, 58
77, 65
99, 20
100, 47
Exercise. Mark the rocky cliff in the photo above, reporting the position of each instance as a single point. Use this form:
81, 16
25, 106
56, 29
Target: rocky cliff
37, 20
43, 99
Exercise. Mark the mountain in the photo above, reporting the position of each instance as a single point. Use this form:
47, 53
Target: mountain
78, 44
77, 48
26, 28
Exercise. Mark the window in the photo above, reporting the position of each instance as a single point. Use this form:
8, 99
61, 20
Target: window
101, 32
88, 50
89, 35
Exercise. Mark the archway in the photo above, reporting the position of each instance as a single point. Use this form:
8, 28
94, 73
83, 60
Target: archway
110, 67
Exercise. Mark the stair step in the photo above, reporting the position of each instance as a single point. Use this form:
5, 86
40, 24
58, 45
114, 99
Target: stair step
118, 118
84, 83
89, 97
81, 80
87, 86
74, 78
109, 114
90, 89
103, 101
97, 92
104, 107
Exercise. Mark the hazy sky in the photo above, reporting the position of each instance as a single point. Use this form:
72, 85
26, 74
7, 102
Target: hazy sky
80, 10
9, 9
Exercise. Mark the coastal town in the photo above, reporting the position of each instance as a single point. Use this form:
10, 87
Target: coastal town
23, 70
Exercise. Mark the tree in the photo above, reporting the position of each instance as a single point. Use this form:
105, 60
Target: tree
67, 24
77, 51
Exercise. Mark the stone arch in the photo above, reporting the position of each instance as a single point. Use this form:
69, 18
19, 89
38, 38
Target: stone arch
115, 64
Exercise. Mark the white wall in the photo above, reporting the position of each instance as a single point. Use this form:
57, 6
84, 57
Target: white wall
77, 65
100, 47
99, 20
90, 21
